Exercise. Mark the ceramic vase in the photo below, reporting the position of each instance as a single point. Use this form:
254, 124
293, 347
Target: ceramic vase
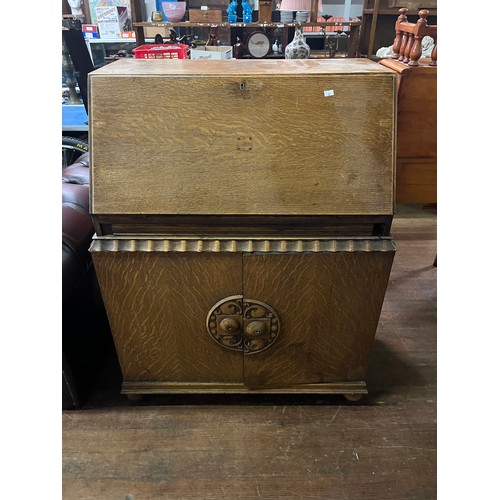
297, 48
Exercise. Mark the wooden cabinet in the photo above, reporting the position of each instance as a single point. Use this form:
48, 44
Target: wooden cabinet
416, 161
243, 213
303, 321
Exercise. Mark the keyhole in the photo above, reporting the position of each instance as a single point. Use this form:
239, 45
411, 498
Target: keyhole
242, 86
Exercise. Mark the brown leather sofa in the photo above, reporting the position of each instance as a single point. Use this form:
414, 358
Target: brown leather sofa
86, 337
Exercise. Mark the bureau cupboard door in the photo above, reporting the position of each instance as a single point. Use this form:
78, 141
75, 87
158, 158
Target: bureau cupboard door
329, 306
157, 303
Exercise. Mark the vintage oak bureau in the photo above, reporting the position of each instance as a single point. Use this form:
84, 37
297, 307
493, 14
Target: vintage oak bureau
242, 212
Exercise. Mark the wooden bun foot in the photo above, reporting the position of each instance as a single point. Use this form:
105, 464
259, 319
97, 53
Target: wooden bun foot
353, 397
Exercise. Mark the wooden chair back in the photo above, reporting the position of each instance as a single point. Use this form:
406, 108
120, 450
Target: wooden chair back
407, 46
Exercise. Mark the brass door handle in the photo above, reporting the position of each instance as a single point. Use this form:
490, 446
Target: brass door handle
256, 328
230, 325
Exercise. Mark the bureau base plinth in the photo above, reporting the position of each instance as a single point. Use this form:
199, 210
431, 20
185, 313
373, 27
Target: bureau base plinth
352, 391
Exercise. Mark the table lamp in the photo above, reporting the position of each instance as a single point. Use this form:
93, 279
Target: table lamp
301, 5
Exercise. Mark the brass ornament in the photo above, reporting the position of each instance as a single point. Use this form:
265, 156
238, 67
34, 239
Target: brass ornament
156, 16
244, 325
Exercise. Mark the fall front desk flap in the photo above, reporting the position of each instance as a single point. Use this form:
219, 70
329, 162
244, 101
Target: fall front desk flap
270, 137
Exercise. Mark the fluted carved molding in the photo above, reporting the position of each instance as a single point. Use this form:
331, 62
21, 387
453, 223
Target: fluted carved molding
241, 245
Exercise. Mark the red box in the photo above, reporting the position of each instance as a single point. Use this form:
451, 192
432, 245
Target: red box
89, 28
162, 51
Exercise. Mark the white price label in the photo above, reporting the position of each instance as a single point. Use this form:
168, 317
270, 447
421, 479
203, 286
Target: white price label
329, 93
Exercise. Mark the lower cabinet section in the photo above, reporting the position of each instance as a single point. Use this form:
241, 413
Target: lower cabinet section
235, 316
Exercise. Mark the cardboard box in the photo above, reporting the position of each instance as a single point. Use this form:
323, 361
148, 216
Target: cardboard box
216, 52
205, 16
111, 21
152, 31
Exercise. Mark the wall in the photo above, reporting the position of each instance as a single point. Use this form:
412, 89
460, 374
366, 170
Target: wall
343, 8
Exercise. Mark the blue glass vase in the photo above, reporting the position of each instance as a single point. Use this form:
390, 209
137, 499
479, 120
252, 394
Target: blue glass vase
247, 11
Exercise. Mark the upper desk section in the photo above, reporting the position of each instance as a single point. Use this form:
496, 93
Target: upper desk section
255, 67
242, 137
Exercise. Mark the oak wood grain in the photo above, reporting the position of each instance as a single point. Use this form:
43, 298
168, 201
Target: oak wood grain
189, 67
329, 305
158, 300
157, 304
174, 140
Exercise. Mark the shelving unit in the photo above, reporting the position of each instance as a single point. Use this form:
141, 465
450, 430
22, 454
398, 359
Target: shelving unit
139, 26
354, 29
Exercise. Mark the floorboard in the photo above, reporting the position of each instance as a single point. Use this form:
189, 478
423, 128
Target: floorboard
280, 447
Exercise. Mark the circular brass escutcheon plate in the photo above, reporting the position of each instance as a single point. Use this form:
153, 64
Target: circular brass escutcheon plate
241, 324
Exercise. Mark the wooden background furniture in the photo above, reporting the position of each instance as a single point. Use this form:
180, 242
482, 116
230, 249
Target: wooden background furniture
243, 243
407, 46
379, 17
416, 165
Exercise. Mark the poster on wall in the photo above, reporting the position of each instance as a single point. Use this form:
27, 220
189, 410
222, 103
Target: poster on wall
108, 3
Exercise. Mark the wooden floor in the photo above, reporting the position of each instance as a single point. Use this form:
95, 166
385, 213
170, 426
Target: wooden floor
303, 447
